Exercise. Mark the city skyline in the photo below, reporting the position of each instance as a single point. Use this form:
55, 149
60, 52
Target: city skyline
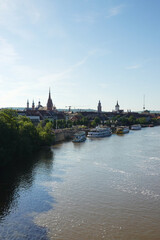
35, 105
85, 51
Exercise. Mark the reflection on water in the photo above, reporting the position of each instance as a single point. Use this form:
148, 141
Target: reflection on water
19, 197
99, 189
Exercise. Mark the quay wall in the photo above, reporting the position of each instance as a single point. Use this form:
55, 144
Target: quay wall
64, 134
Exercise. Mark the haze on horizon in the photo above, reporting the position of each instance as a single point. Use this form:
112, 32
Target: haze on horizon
85, 51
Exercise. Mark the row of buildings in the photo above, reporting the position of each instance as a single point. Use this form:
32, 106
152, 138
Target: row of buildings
39, 112
116, 110
51, 107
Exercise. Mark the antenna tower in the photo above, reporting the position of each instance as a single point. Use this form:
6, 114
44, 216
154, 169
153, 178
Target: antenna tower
143, 102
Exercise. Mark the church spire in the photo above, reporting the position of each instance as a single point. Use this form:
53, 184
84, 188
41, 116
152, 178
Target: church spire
49, 93
27, 104
49, 103
117, 104
33, 105
117, 107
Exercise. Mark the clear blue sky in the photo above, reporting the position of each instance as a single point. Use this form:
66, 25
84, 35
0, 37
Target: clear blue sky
84, 50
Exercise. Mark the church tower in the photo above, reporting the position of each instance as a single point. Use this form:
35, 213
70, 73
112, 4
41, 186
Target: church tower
117, 107
33, 105
99, 108
39, 104
49, 103
27, 104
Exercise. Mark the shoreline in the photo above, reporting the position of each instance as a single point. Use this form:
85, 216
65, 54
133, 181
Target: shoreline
62, 135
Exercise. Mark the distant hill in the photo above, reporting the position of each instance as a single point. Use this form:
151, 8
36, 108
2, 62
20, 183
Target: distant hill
60, 109
76, 110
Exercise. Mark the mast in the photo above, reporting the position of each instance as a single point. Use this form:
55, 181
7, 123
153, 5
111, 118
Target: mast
144, 103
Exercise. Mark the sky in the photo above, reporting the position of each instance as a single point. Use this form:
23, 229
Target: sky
83, 50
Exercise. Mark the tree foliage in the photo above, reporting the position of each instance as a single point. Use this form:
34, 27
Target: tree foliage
46, 135
19, 138
142, 120
95, 122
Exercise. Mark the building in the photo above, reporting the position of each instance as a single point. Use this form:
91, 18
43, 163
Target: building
38, 113
27, 104
33, 105
117, 107
99, 108
49, 107
49, 103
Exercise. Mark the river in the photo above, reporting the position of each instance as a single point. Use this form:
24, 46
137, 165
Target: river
100, 189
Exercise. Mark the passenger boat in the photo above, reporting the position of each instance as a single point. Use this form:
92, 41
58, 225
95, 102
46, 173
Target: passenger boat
99, 132
122, 130
136, 127
79, 137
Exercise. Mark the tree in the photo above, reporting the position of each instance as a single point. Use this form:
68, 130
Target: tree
20, 138
8, 135
28, 137
46, 134
131, 120
124, 121
93, 123
97, 120
142, 120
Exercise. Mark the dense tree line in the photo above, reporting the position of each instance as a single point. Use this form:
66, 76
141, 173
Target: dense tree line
81, 121
128, 121
62, 123
116, 120
19, 138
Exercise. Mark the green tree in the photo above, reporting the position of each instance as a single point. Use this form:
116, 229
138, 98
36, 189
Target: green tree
85, 121
20, 138
142, 120
124, 121
93, 123
8, 135
46, 134
97, 120
28, 137
131, 120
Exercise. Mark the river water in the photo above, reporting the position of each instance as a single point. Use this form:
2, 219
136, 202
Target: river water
101, 189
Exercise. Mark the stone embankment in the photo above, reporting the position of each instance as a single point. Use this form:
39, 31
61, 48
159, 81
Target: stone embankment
67, 133
64, 134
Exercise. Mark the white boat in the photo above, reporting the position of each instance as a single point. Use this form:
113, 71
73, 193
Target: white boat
136, 127
79, 137
122, 130
99, 132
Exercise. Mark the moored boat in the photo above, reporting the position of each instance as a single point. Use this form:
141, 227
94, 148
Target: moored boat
136, 127
122, 130
79, 137
99, 132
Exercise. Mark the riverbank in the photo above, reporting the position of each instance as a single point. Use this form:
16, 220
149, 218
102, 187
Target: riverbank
64, 134
68, 133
